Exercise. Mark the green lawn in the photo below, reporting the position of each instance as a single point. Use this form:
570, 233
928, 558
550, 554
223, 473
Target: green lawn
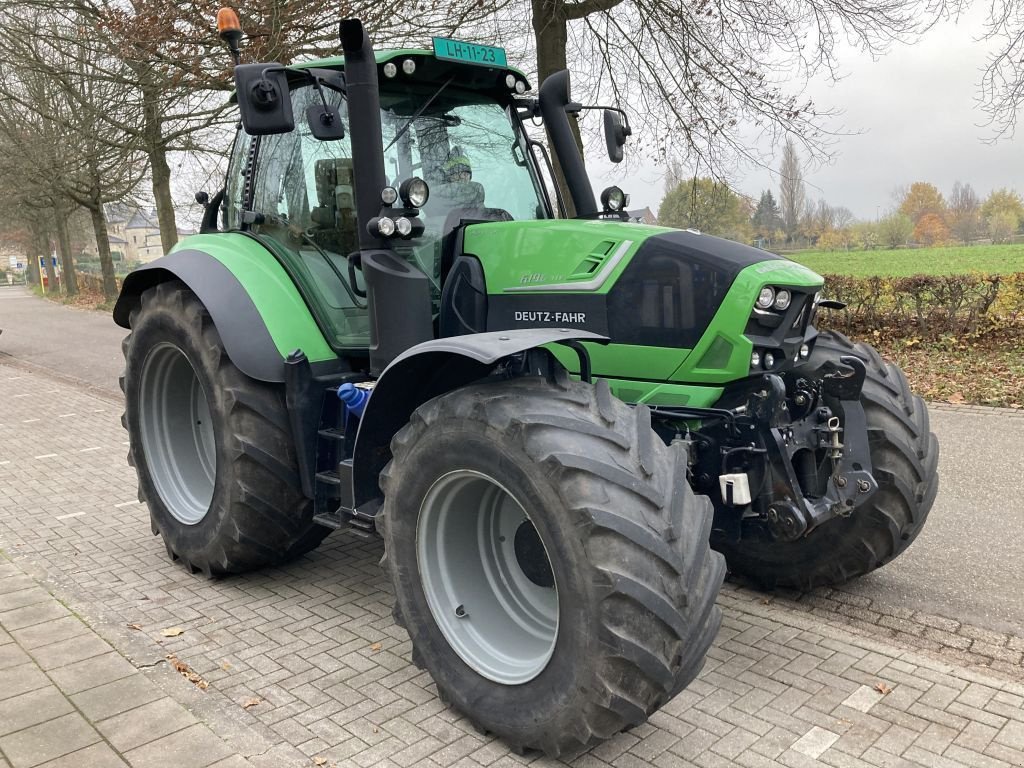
993, 259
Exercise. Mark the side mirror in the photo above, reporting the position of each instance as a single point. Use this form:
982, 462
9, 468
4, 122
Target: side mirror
325, 122
615, 133
262, 93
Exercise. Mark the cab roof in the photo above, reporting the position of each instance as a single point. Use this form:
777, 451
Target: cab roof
418, 54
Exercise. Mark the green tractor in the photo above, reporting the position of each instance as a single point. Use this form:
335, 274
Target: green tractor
563, 428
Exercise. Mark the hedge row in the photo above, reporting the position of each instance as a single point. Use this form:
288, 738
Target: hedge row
926, 306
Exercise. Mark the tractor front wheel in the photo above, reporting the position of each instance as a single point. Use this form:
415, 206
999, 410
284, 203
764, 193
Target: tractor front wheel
211, 447
550, 561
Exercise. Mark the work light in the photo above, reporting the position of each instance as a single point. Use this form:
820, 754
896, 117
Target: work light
414, 192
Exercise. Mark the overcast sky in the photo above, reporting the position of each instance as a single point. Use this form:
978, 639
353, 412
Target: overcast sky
916, 113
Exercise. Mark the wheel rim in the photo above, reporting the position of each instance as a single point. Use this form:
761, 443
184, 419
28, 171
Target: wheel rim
487, 577
177, 434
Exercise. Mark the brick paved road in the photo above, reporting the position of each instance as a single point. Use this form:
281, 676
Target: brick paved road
313, 650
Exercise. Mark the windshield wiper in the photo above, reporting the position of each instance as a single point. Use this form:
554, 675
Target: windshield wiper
419, 112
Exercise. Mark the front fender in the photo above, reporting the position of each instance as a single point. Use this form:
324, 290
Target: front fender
424, 372
258, 311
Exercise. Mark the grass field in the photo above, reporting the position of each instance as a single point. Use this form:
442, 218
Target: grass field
993, 259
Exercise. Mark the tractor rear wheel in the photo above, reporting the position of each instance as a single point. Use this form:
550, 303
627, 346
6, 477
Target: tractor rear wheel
211, 447
904, 459
549, 559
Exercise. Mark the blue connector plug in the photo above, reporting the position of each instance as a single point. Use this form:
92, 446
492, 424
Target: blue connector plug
354, 398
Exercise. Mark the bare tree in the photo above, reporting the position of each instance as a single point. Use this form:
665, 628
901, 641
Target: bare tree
964, 209
693, 76
1002, 82
791, 189
90, 163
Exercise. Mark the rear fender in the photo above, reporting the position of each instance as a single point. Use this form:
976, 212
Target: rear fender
258, 311
424, 372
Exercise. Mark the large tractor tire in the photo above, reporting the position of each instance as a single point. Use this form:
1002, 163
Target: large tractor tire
904, 459
211, 447
549, 559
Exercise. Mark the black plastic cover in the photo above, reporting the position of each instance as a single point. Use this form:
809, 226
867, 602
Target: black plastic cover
673, 287
464, 299
399, 306
263, 99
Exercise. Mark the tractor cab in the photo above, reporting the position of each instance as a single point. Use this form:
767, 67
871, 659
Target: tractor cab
454, 151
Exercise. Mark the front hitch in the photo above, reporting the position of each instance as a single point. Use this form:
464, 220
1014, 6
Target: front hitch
839, 429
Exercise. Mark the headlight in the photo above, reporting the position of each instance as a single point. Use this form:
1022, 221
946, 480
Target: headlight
388, 195
769, 360
390, 70
783, 299
385, 226
414, 192
520, 86
408, 66
755, 359
404, 226
510, 81
805, 351
766, 298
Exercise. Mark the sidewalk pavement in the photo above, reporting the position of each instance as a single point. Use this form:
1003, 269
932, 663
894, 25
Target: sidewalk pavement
70, 700
302, 665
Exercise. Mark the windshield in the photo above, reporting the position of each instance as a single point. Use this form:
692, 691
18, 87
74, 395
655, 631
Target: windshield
469, 151
465, 145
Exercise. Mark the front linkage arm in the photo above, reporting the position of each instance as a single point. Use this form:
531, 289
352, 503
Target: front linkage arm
792, 514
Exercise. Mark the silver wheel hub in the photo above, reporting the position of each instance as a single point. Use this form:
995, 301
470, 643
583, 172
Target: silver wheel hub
487, 577
177, 434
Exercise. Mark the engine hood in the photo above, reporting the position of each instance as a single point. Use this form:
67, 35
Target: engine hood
663, 296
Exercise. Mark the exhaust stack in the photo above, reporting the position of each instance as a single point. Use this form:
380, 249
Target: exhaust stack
364, 126
554, 98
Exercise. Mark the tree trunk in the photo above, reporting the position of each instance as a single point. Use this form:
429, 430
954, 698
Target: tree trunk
159, 169
99, 228
51, 273
551, 34
37, 250
67, 262
162, 194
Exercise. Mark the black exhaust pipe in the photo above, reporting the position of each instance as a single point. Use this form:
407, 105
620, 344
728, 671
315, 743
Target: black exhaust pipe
364, 126
398, 294
554, 98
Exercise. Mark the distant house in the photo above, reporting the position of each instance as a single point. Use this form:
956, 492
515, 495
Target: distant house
642, 216
135, 232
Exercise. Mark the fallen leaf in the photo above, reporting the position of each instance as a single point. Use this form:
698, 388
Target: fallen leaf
956, 397
225, 666
319, 760
883, 689
375, 647
136, 627
250, 703
172, 631
766, 601
187, 672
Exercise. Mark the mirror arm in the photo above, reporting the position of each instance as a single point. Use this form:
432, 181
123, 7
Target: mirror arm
625, 118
